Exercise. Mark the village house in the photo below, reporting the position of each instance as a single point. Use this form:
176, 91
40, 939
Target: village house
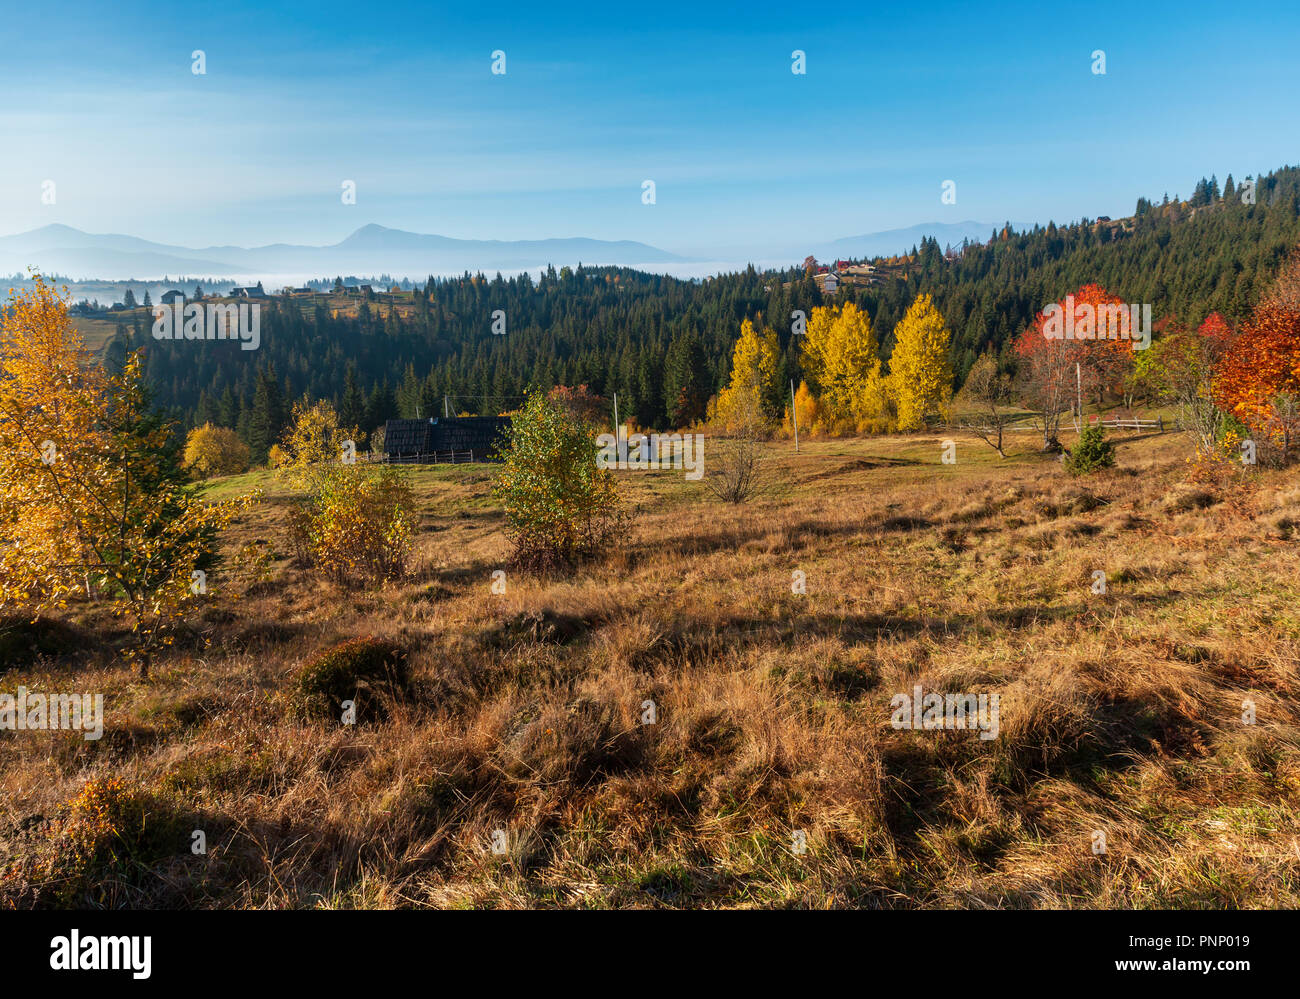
464, 438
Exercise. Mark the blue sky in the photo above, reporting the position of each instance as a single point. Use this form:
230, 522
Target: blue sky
748, 159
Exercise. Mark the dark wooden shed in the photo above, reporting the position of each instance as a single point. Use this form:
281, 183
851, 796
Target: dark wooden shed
454, 439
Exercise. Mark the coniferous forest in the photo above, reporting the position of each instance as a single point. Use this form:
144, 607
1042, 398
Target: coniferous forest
652, 338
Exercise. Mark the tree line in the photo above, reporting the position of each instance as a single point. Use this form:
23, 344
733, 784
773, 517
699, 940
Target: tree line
664, 344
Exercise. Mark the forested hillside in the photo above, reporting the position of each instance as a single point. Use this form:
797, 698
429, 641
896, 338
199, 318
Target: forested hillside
647, 337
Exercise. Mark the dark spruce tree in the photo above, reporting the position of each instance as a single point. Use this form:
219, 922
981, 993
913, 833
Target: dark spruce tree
687, 386
352, 405
267, 416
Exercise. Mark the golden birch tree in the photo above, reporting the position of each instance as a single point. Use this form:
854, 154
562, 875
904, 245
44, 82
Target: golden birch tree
921, 367
840, 355
93, 499
752, 398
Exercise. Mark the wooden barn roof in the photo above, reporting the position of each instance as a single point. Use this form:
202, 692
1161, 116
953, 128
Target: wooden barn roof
465, 433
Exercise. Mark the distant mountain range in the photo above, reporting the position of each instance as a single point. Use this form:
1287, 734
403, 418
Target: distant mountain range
374, 250
896, 241
371, 250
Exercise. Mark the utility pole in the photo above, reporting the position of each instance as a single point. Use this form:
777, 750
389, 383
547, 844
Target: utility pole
794, 417
446, 407
616, 414
1078, 388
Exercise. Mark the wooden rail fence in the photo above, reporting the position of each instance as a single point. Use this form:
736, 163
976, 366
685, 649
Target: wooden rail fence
1112, 423
1115, 423
428, 458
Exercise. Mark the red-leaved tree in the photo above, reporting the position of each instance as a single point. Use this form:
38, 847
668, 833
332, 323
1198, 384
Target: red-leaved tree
1053, 372
1258, 379
582, 403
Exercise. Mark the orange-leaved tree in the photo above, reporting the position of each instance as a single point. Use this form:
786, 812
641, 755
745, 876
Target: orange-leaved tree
94, 501
1055, 369
1258, 380
582, 403
806, 416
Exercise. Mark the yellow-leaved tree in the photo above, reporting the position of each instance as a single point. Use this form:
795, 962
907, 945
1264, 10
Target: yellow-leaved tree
752, 400
355, 522
841, 357
213, 450
920, 368
94, 502
314, 445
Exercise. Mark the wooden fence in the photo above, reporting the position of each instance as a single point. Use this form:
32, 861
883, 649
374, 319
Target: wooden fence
1115, 423
1112, 423
429, 458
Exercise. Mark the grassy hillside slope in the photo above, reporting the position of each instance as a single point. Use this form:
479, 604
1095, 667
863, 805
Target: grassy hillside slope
1119, 712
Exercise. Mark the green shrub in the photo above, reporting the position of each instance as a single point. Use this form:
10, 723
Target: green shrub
560, 508
364, 670
356, 525
1090, 452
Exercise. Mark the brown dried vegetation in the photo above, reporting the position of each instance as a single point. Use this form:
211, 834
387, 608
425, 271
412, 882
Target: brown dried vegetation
522, 711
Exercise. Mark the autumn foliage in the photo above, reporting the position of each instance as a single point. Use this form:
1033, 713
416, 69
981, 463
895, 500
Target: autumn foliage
1258, 379
920, 369
314, 446
841, 358
1180, 368
93, 499
358, 524
752, 399
583, 404
355, 523
213, 450
807, 413
1053, 373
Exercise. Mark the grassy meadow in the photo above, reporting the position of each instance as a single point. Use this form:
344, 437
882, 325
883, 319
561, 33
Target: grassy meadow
1120, 712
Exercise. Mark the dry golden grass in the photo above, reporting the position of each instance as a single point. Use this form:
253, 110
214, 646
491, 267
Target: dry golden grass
1119, 712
